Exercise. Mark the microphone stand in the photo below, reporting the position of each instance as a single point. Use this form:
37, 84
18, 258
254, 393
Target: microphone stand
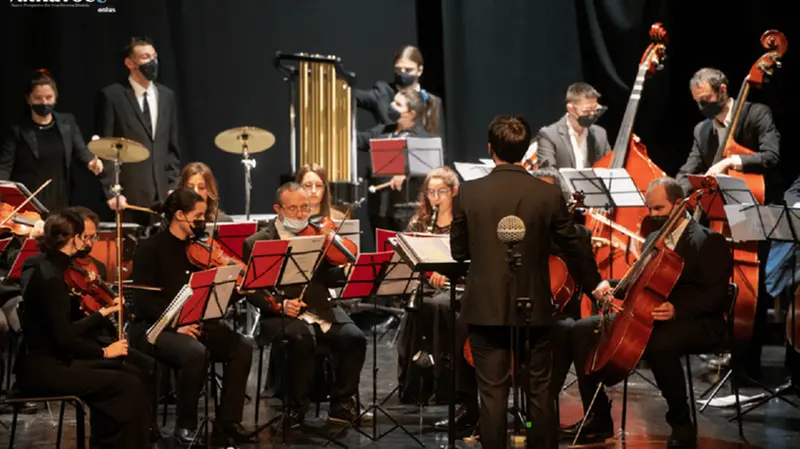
514, 260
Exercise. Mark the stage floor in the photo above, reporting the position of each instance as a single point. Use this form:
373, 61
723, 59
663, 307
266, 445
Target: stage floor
776, 425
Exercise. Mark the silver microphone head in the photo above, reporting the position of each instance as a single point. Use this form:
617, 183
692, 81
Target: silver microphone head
511, 230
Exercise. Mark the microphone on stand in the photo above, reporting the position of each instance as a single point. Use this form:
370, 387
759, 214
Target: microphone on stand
511, 230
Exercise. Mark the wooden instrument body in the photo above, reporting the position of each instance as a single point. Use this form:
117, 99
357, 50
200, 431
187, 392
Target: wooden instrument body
754, 181
105, 250
622, 346
562, 286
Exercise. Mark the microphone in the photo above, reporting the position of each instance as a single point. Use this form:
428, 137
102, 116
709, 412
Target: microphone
511, 230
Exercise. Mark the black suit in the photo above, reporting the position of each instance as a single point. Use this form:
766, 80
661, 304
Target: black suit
346, 341
700, 300
22, 160
119, 115
486, 306
554, 146
757, 132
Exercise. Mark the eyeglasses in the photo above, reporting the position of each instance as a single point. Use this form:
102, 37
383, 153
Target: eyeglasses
294, 209
437, 193
91, 238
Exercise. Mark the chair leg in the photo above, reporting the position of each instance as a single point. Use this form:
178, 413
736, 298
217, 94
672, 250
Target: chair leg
13, 428
60, 425
80, 423
735, 386
690, 382
257, 401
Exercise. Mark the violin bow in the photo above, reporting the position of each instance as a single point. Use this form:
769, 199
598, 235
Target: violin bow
24, 203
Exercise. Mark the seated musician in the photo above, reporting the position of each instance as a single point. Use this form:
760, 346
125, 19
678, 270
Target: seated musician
346, 341
429, 328
314, 179
199, 177
161, 261
690, 321
55, 361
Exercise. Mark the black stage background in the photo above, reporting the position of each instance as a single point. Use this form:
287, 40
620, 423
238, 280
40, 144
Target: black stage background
483, 57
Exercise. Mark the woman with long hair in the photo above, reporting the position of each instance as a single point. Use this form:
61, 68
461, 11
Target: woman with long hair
314, 180
198, 176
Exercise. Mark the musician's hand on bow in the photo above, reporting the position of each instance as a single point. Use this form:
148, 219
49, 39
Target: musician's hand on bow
397, 182
437, 280
95, 166
106, 311
112, 203
117, 349
602, 292
664, 312
293, 307
38, 229
733, 162
191, 330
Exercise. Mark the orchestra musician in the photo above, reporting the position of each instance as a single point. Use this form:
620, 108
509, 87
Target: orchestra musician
486, 307
710, 89
55, 361
346, 341
44, 145
432, 322
199, 177
690, 321
161, 261
314, 179
144, 111
574, 141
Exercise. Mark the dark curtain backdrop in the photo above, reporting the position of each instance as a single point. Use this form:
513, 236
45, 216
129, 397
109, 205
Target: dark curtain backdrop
217, 56
519, 56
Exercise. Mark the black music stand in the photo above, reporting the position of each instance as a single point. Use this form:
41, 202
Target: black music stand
453, 270
29, 248
374, 275
273, 265
773, 223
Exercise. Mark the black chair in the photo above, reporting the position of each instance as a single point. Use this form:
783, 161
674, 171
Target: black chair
80, 414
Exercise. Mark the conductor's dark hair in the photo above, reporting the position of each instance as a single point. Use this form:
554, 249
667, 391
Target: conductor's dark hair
672, 187
136, 41
509, 137
86, 214
59, 229
286, 187
715, 78
182, 199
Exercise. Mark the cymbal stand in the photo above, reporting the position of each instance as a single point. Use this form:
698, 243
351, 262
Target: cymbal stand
248, 165
117, 191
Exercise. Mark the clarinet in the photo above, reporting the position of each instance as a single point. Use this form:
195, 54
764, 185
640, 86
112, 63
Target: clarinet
434, 217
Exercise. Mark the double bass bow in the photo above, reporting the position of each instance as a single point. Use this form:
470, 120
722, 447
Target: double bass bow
745, 254
629, 153
646, 285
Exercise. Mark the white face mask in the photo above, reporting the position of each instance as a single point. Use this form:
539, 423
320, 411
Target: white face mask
293, 225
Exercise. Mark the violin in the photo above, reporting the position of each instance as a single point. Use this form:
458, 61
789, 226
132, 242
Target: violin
84, 280
20, 223
341, 250
208, 253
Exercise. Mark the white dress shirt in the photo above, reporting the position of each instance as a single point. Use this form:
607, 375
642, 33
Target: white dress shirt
578, 145
722, 127
152, 100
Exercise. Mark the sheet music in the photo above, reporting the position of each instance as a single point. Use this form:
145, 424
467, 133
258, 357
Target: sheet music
351, 229
397, 280
487, 162
756, 223
604, 187
470, 171
434, 249
735, 190
305, 251
226, 282
424, 154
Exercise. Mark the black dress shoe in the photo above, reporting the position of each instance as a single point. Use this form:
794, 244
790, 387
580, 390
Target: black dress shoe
598, 427
466, 419
237, 432
683, 437
183, 437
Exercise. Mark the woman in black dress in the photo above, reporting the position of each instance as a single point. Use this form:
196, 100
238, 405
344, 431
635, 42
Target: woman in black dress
45, 145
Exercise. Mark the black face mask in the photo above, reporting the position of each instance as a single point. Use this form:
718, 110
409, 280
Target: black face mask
404, 79
43, 110
710, 109
83, 253
589, 119
198, 228
150, 69
652, 223
394, 114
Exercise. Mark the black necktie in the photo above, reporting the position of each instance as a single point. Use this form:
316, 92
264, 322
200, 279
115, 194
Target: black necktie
148, 120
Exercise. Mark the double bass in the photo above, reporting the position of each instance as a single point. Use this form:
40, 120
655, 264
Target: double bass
745, 254
647, 285
616, 257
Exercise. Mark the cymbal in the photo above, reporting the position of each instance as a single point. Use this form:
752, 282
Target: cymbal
130, 151
232, 140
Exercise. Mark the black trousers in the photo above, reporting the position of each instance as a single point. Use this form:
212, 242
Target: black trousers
190, 358
491, 352
348, 347
120, 413
669, 342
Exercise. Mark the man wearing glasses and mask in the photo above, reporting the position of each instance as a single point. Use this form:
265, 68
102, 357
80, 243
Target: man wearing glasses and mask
574, 141
307, 321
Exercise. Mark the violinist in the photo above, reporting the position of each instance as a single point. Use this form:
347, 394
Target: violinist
161, 261
756, 131
429, 328
314, 179
346, 341
199, 177
55, 361
691, 321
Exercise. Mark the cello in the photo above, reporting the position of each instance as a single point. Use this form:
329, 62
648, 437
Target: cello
745, 254
647, 284
629, 153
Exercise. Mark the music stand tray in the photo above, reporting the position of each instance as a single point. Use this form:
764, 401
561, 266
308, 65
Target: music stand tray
412, 156
604, 188
29, 248
231, 236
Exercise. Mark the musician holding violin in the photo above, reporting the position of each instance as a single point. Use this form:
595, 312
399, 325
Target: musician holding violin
56, 361
347, 342
689, 321
314, 179
162, 261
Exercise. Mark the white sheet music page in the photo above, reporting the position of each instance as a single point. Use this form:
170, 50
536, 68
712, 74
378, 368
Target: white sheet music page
470, 171
756, 223
304, 253
398, 279
225, 280
428, 249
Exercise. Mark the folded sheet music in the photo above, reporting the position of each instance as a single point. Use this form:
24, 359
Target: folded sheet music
169, 315
470, 171
428, 249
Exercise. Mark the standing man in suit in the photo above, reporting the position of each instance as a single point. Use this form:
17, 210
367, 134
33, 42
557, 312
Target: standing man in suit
142, 110
575, 141
756, 131
486, 306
